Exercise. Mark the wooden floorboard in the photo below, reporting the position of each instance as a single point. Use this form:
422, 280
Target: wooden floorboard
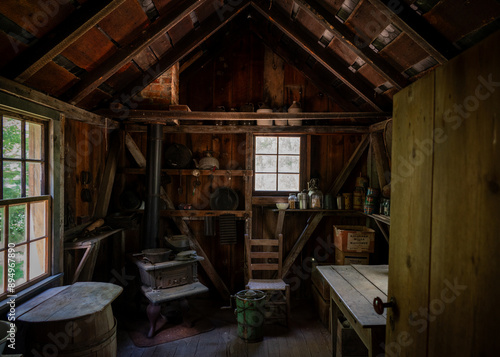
306, 337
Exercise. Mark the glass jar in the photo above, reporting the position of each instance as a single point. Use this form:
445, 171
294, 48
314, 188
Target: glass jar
303, 199
292, 200
316, 199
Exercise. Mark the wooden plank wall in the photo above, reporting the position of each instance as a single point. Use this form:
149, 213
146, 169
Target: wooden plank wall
444, 233
249, 72
85, 150
463, 287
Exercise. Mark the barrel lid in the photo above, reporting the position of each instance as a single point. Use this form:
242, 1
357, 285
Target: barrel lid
69, 302
251, 294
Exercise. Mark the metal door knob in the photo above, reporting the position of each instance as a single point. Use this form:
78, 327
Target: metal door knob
379, 305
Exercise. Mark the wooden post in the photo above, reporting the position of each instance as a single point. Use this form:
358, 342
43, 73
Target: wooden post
381, 161
108, 178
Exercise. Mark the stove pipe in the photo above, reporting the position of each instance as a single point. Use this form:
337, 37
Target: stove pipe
153, 173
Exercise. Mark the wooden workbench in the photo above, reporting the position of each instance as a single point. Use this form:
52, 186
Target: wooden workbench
352, 290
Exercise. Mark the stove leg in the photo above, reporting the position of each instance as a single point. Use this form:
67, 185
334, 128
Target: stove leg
153, 312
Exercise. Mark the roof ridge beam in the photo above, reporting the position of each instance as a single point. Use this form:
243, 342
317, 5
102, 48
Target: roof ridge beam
328, 60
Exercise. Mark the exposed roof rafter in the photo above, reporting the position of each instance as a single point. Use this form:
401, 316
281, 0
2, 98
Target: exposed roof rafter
191, 41
125, 55
343, 34
328, 60
303, 68
417, 29
70, 30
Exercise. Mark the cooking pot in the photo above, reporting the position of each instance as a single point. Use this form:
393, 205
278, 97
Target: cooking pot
178, 156
224, 199
208, 162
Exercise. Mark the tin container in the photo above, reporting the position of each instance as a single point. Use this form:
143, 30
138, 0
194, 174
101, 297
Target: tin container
303, 196
358, 199
373, 192
347, 200
340, 202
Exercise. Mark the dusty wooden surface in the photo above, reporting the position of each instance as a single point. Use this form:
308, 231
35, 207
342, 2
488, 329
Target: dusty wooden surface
70, 302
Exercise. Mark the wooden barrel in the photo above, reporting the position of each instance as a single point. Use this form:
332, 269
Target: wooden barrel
72, 321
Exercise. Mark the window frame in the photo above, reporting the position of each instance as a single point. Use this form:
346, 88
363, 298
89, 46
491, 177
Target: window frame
28, 201
302, 163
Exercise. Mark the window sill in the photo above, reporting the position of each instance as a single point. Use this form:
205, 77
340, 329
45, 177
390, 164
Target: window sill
32, 291
268, 200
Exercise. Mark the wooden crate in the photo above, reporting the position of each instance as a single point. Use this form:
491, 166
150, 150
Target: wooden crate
321, 284
344, 258
355, 239
348, 342
322, 307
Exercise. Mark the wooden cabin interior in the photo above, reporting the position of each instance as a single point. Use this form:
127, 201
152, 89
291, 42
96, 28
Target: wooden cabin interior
147, 144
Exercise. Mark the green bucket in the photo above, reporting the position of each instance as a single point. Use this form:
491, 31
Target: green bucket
250, 314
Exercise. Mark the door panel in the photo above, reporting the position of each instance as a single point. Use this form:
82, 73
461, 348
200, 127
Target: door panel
464, 289
409, 245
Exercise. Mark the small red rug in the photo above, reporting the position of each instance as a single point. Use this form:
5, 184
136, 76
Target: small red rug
168, 332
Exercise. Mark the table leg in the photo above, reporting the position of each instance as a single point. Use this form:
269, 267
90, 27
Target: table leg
153, 312
334, 317
377, 337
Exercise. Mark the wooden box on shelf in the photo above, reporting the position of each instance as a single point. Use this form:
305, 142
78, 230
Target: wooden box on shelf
354, 239
347, 258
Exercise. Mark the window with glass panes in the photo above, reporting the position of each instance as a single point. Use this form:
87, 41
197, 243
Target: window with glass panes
277, 164
24, 207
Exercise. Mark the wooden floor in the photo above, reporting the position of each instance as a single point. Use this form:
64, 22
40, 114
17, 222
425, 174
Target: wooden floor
305, 337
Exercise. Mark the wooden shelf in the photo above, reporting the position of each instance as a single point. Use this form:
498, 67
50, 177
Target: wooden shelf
325, 212
203, 213
258, 129
189, 172
381, 218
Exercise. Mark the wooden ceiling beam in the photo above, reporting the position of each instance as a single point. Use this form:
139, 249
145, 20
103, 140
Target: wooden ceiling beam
326, 58
159, 115
344, 35
191, 41
124, 55
68, 110
70, 30
417, 29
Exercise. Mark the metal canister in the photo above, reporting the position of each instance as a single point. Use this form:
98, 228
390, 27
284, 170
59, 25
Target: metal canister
340, 202
303, 196
348, 200
250, 314
328, 201
358, 199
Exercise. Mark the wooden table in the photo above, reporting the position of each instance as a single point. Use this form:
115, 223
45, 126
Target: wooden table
352, 290
80, 315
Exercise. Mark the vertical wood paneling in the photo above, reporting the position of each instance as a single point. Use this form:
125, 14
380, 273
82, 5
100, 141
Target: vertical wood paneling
249, 72
85, 150
466, 190
410, 217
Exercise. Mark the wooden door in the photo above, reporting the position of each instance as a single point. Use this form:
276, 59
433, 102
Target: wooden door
445, 225
411, 196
